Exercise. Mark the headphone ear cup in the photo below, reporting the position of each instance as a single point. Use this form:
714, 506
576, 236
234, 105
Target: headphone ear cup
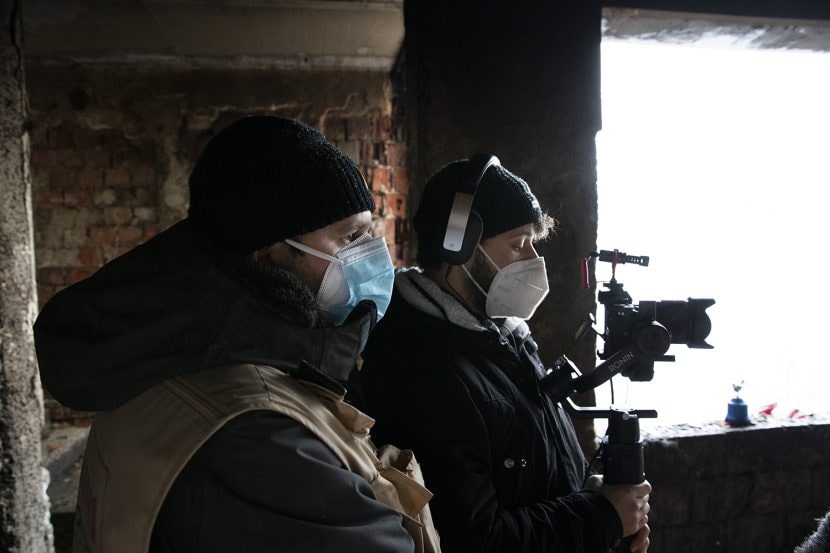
472, 236
461, 215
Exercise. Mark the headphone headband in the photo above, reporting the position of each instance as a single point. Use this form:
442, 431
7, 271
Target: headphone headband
463, 232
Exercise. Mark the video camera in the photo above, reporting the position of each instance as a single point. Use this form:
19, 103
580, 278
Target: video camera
635, 335
686, 321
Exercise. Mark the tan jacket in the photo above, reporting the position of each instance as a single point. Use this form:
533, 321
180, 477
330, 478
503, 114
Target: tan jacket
135, 452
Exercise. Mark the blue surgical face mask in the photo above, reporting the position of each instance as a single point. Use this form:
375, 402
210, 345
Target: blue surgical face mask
362, 270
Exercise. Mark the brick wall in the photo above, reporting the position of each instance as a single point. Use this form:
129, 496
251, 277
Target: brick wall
371, 140
752, 490
112, 148
95, 197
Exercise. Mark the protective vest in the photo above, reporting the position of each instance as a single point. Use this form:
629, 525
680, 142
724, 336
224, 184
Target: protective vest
135, 452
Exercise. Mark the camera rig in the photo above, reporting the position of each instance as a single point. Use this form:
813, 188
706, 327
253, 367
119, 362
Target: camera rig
635, 336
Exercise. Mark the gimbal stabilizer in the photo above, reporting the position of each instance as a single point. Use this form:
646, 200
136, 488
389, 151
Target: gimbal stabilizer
622, 449
635, 337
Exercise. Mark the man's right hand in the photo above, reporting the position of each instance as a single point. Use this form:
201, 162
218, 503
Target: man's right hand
630, 501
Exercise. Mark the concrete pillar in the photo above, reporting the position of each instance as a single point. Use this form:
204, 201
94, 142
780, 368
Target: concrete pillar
519, 80
24, 507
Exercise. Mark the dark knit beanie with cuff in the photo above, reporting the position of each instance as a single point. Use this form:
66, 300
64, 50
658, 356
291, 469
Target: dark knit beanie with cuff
263, 179
503, 201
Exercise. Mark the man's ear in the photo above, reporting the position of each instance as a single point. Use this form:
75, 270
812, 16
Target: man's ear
278, 254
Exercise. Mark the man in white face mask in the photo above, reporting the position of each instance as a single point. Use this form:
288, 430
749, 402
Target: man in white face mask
453, 372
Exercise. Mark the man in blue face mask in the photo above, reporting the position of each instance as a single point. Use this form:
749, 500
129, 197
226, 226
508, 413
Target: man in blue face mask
453, 372
219, 356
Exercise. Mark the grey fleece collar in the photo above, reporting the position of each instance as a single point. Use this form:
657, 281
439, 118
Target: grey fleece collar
425, 295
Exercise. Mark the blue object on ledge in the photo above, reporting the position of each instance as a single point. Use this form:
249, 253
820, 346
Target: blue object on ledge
737, 413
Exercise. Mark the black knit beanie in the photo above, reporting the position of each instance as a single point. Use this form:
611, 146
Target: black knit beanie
263, 179
503, 201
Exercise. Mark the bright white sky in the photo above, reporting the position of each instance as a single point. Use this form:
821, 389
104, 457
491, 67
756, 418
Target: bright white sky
716, 164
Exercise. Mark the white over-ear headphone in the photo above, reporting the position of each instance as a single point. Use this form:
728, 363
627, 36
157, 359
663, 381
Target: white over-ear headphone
464, 225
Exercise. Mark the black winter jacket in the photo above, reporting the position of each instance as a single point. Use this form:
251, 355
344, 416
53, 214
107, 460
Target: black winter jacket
263, 482
501, 458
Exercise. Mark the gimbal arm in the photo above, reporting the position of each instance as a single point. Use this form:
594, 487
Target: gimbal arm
648, 342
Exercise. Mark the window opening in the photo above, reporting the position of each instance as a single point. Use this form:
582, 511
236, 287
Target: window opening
713, 161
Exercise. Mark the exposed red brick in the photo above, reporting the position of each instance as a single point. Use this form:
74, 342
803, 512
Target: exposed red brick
383, 126
129, 234
358, 128
90, 256
61, 178
401, 231
396, 205
87, 138
65, 137
48, 198
351, 148
379, 153
118, 215
144, 215
138, 197
44, 294
102, 236
334, 127
378, 197
38, 134
378, 227
44, 158
50, 276
144, 176
395, 154
126, 159
367, 154
116, 177
400, 180
59, 413
389, 228
78, 274
97, 158
77, 198
111, 138
90, 178
70, 158
150, 231
380, 178
107, 196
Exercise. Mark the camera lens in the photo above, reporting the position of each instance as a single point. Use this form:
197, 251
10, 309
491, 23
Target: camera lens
687, 321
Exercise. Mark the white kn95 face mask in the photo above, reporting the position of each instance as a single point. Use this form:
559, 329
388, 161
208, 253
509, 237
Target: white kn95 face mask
516, 290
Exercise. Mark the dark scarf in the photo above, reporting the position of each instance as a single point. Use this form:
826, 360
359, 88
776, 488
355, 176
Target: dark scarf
296, 303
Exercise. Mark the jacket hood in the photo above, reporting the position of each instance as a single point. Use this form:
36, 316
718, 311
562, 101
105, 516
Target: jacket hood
421, 312
173, 306
424, 295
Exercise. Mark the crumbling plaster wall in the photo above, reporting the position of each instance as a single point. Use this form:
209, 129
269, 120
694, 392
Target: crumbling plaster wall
24, 507
113, 145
